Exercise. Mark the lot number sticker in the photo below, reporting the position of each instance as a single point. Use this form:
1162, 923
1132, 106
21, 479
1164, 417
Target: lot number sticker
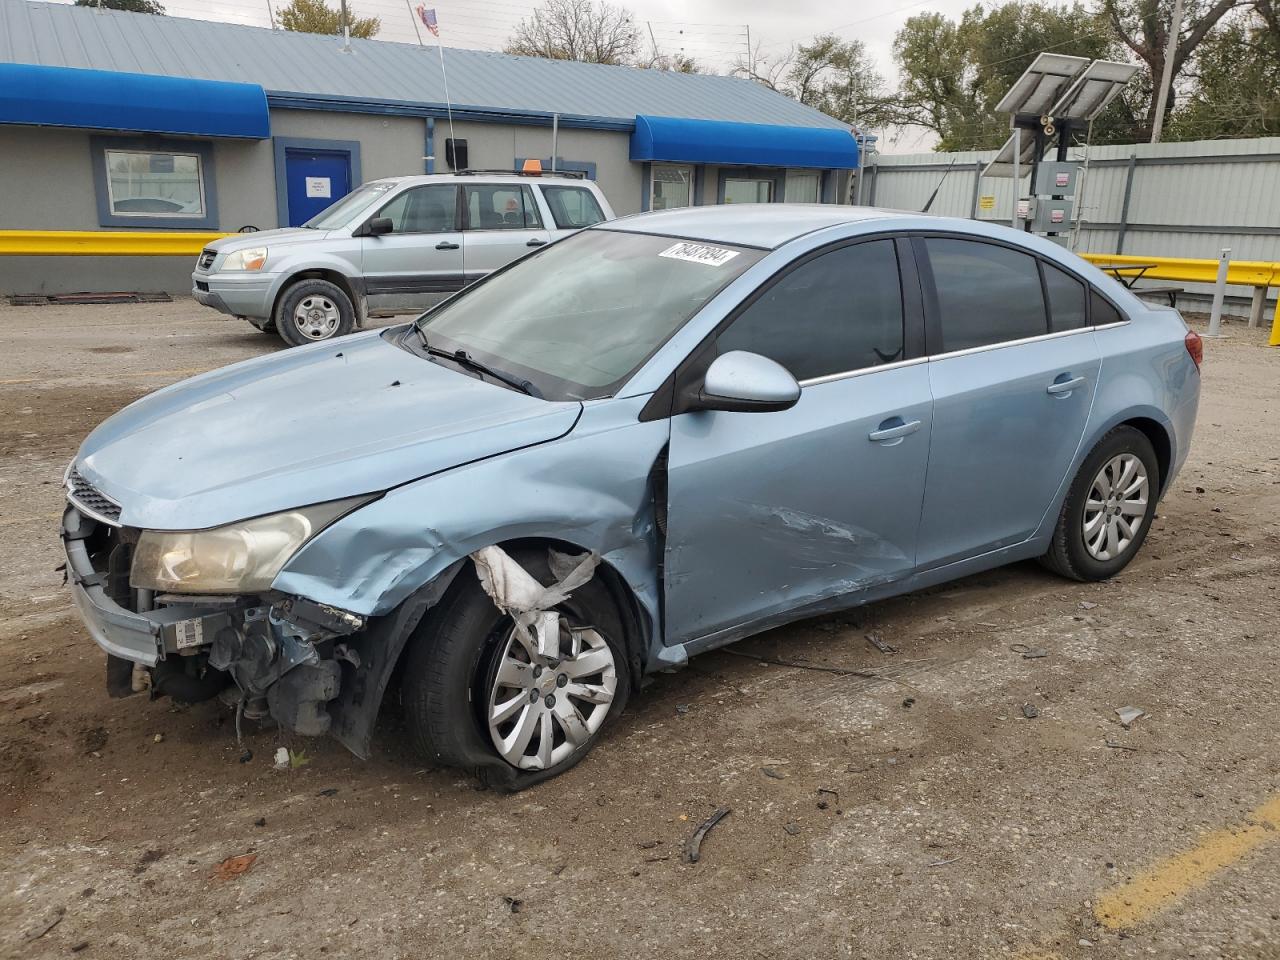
318, 187
699, 253
188, 633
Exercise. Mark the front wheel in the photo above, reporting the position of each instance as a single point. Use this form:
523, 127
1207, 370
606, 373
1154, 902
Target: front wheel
1108, 509
314, 310
478, 695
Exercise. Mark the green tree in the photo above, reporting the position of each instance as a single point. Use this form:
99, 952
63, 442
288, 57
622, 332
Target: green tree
829, 74
954, 73
313, 16
132, 6
1143, 27
1235, 80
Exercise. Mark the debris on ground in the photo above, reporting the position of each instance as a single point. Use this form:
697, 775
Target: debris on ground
94, 739
148, 857
1087, 605
1128, 715
246, 756
882, 646
282, 759
513, 903
772, 773
82, 945
328, 792
158, 738
233, 866
792, 828
941, 863
45, 924
695, 842
682, 709
1030, 711
1028, 653
1119, 746
823, 793
260, 822
908, 703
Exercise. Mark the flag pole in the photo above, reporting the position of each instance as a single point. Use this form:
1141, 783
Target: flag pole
448, 104
414, 20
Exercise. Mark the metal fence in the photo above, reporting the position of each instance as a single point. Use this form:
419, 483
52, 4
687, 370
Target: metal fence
1159, 200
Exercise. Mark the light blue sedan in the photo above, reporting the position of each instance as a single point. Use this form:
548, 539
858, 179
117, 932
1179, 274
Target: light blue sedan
650, 439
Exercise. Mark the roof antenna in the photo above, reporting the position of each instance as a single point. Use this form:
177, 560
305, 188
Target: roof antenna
929, 203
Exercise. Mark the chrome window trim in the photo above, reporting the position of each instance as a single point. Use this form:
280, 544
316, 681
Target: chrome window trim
862, 371
1056, 335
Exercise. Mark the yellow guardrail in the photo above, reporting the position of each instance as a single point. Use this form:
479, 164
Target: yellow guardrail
1259, 274
104, 243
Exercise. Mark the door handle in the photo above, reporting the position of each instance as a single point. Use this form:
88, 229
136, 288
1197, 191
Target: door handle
1060, 387
893, 429
446, 245
535, 242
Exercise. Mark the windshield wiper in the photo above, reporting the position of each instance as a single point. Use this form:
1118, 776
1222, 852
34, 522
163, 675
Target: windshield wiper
464, 359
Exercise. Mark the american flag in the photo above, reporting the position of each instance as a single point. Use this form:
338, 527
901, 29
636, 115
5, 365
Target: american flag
429, 19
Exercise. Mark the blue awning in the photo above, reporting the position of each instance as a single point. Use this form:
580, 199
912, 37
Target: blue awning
678, 139
137, 102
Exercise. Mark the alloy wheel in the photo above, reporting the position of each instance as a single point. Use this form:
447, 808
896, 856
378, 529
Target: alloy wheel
542, 708
316, 317
1116, 507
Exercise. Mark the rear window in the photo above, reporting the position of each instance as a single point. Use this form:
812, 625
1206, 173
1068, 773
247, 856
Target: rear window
987, 294
573, 207
1101, 311
1066, 300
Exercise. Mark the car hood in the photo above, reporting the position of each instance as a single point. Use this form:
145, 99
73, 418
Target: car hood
266, 238
350, 416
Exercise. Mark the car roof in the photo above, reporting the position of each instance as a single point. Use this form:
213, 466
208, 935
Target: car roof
765, 225
482, 177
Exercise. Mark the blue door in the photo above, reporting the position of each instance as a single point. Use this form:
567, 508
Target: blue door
315, 179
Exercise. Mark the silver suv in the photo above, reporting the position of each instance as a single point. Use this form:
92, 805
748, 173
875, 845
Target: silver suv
394, 245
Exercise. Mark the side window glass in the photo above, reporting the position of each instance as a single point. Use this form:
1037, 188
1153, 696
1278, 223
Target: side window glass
428, 209
986, 293
573, 207
1101, 312
839, 312
501, 206
1066, 300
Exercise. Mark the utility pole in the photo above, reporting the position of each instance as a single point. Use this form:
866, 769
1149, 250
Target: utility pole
1170, 52
346, 28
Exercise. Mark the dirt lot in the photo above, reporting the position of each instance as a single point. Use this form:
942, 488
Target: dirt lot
910, 810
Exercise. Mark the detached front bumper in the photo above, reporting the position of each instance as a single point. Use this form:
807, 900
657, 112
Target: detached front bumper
238, 295
145, 638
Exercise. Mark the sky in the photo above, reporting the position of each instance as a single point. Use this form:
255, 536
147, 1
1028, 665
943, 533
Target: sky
714, 32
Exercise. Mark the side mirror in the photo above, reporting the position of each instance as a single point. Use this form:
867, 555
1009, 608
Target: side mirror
377, 227
747, 382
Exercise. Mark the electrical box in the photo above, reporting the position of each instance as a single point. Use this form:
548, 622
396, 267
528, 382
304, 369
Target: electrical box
1051, 216
455, 153
1055, 179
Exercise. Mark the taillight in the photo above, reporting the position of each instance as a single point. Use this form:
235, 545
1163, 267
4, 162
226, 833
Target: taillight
1195, 347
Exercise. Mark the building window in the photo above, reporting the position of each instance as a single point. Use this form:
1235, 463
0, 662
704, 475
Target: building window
672, 187
748, 190
802, 186
153, 183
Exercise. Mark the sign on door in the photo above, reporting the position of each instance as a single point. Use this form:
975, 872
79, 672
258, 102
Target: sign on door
319, 187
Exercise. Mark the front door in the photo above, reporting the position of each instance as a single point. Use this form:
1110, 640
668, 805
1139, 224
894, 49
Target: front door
314, 180
1010, 401
773, 513
420, 261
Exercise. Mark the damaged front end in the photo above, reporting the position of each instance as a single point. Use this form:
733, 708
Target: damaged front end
269, 654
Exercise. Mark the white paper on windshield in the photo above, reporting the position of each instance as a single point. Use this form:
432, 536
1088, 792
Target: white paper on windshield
699, 253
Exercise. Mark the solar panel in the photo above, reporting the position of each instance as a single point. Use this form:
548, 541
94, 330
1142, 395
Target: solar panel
1001, 164
1042, 84
1093, 90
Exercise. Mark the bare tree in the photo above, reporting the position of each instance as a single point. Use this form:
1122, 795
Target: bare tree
594, 32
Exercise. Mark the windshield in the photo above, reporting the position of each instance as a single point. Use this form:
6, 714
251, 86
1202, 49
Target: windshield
349, 207
581, 316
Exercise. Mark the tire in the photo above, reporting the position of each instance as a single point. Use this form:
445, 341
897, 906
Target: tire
310, 311
1093, 555
450, 679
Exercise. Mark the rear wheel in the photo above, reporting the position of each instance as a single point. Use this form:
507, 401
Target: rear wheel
477, 693
1108, 510
314, 310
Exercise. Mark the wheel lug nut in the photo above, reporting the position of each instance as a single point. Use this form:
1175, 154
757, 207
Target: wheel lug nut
537, 672
551, 700
533, 696
562, 680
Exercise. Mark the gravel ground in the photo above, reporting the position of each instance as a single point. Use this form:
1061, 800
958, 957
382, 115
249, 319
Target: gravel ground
911, 811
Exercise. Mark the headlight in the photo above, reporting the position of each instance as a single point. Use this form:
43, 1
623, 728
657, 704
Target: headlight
238, 558
253, 258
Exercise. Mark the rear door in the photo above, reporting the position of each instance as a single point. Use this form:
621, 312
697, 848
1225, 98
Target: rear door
1011, 391
770, 514
420, 260
502, 224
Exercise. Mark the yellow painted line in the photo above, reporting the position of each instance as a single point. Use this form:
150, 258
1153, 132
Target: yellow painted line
127, 243
1159, 885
